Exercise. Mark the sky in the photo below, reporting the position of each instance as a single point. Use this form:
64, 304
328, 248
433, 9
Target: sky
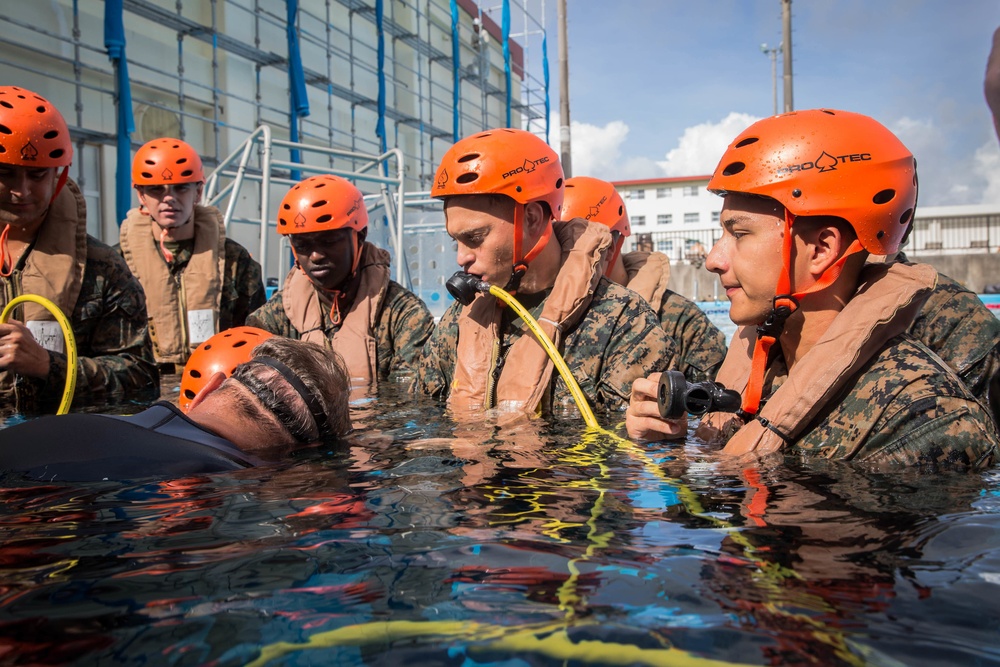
660, 87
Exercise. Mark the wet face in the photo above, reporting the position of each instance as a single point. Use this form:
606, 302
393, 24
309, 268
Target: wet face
482, 226
25, 194
748, 258
171, 206
326, 257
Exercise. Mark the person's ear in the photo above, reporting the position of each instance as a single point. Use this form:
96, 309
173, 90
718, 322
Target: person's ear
535, 218
213, 383
828, 244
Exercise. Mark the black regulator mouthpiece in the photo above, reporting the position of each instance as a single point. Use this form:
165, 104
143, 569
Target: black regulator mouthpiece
675, 396
464, 287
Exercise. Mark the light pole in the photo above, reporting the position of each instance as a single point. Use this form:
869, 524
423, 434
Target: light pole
774, 70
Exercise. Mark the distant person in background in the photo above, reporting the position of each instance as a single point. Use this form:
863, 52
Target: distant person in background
197, 281
289, 394
45, 250
991, 85
701, 347
339, 292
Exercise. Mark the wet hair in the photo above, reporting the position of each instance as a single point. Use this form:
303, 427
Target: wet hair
305, 386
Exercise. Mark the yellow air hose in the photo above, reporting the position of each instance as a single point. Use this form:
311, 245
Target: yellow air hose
67, 331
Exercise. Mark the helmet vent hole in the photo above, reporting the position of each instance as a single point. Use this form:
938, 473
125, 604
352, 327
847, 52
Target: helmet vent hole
5, 130
519, 188
621, 209
827, 111
286, 207
208, 347
239, 343
880, 234
57, 153
318, 203
40, 109
195, 373
6, 104
885, 196
466, 178
146, 174
906, 217
282, 222
150, 162
747, 142
189, 395
559, 183
469, 157
324, 218
51, 134
733, 168
484, 135
320, 185
2, 149
186, 173
182, 160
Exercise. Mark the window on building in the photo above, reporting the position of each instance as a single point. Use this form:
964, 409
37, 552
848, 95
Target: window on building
664, 219
715, 217
638, 220
690, 190
639, 194
662, 192
664, 246
691, 218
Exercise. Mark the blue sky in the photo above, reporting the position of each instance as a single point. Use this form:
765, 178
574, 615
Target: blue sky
659, 87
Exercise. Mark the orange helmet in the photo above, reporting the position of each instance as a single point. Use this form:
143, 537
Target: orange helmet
166, 161
32, 131
222, 352
321, 203
825, 162
597, 201
508, 162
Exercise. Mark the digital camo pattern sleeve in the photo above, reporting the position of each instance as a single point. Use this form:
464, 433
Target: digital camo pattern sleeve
408, 326
618, 340
271, 317
906, 409
959, 328
436, 366
112, 337
701, 346
242, 287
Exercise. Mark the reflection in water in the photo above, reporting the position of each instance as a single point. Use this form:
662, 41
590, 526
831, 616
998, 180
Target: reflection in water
438, 543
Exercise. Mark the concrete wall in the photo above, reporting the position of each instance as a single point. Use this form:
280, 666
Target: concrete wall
975, 271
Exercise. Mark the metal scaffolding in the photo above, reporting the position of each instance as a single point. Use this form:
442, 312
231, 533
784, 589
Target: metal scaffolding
412, 75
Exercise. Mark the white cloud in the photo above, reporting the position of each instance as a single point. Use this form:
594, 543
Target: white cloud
597, 152
988, 163
701, 147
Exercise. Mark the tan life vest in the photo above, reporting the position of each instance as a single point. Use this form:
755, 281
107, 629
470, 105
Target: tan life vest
180, 316
355, 339
648, 276
53, 268
527, 372
888, 299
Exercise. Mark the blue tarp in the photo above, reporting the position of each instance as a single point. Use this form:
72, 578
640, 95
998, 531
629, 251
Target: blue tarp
114, 42
380, 124
456, 78
545, 73
299, 99
506, 52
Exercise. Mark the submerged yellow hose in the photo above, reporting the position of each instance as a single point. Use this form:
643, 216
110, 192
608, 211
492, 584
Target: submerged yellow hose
67, 332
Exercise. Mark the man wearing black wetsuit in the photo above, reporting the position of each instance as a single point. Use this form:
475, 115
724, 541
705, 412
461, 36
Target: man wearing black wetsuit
290, 393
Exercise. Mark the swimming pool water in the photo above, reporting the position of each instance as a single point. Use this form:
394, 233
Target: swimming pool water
422, 541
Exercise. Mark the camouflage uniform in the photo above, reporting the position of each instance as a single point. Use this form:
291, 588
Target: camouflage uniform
403, 328
617, 340
959, 328
109, 322
905, 408
242, 287
701, 346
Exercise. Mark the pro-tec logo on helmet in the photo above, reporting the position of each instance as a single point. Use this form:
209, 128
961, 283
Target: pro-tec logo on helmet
596, 208
357, 204
29, 152
527, 167
167, 175
825, 162
442, 179
300, 220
